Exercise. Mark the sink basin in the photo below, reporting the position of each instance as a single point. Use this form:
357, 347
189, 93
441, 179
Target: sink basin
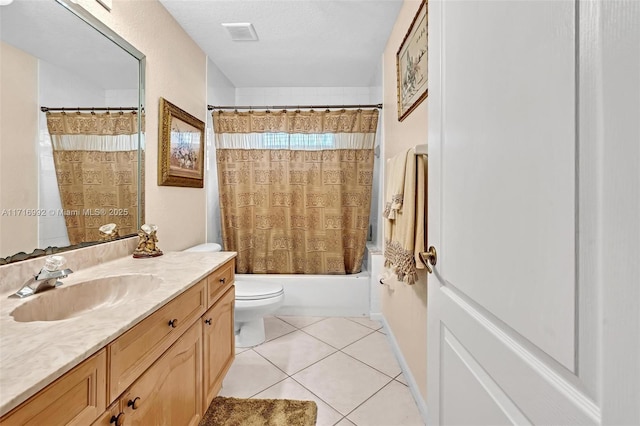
74, 300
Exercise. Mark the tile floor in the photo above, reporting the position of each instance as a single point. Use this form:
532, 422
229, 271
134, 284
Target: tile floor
345, 365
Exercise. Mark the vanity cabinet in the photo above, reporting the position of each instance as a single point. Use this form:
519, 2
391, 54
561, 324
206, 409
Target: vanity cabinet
77, 398
219, 344
165, 370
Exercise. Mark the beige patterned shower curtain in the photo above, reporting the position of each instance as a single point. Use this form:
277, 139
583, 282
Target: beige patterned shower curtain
96, 161
295, 188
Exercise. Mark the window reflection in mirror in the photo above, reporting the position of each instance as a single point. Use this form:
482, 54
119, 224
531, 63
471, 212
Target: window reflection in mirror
52, 58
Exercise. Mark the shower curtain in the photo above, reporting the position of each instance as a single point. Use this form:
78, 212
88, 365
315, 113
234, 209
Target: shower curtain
295, 188
96, 161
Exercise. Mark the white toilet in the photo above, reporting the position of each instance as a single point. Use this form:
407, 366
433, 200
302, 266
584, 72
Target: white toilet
254, 300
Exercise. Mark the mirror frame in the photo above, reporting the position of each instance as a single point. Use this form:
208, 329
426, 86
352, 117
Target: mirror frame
103, 29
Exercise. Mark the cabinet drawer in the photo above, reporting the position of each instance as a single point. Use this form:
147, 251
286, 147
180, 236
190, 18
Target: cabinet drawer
133, 352
220, 281
77, 398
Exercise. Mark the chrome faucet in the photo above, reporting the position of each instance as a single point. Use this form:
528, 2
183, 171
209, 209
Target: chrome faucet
47, 278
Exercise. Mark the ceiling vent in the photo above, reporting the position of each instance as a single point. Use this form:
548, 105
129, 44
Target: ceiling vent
241, 31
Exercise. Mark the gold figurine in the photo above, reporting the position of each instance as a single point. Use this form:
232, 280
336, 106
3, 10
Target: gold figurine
148, 240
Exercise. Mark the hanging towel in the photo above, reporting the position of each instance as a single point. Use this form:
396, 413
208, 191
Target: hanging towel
395, 188
405, 234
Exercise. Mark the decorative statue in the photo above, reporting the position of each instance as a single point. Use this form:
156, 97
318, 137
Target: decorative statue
147, 244
108, 232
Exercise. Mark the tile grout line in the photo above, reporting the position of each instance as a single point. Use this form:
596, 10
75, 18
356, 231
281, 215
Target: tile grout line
352, 320
363, 402
371, 366
349, 344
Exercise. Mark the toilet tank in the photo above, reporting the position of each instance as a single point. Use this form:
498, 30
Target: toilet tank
206, 247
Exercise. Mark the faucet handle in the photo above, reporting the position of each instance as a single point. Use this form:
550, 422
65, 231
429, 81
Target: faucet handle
54, 263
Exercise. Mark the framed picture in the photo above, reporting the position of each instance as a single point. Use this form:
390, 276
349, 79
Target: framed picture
181, 147
411, 63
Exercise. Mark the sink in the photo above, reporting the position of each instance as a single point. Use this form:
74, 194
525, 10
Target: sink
77, 299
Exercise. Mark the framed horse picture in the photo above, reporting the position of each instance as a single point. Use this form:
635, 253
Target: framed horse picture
181, 147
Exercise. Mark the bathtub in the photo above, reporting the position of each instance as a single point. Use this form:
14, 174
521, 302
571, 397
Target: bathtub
321, 295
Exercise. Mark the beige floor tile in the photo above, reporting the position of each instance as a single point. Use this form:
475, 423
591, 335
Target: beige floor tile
374, 350
294, 351
393, 405
300, 322
367, 322
240, 350
402, 379
290, 389
345, 422
274, 327
249, 374
341, 381
338, 332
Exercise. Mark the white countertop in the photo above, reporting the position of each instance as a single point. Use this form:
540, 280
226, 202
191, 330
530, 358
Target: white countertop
34, 354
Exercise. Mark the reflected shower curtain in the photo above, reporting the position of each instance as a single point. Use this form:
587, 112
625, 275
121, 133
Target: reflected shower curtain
295, 189
96, 161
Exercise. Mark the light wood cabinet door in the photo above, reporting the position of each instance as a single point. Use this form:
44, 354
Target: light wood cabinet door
170, 391
219, 344
77, 398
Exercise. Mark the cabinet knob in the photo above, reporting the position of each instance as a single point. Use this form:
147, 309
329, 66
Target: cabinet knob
222, 280
173, 323
118, 420
134, 403
208, 321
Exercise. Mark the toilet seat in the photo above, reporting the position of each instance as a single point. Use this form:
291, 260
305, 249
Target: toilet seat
257, 290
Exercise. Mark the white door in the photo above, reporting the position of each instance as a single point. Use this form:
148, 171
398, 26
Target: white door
534, 206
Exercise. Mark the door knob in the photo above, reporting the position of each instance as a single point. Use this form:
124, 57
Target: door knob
429, 258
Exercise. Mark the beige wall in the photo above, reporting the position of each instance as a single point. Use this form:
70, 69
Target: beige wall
18, 136
176, 71
405, 306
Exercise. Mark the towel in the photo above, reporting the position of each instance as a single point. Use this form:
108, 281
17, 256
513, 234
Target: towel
395, 188
405, 234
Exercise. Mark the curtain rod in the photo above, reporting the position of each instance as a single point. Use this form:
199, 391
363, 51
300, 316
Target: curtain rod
46, 109
276, 107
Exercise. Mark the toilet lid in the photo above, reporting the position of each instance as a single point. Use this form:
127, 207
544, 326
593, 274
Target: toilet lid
256, 290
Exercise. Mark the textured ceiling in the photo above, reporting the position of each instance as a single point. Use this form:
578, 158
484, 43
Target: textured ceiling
48, 31
316, 43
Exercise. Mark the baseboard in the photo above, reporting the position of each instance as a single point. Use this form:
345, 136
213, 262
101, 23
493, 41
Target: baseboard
310, 311
376, 316
411, 381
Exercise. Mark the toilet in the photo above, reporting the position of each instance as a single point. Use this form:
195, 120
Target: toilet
254, 300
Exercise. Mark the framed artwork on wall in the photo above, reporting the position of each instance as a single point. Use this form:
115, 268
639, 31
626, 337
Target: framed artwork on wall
411, 63
181, 147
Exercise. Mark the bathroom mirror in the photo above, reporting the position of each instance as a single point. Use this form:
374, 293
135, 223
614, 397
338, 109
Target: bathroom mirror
55, 54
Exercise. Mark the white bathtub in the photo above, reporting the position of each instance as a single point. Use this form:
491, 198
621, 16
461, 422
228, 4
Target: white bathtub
321, 295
